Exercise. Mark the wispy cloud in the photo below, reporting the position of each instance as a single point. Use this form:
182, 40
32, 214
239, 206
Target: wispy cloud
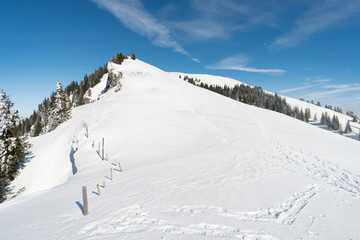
296, 89
195, 60
239, 63
214, 19
342, 86
321, 15
132, 14
321, 80
318, 88
323, 94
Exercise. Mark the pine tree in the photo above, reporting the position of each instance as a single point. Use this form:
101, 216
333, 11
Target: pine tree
119, 58
12, 149
302, 115
307, 115
315, 118
348, 127
322, 119
355, 118
37, 128
340, 130
335, 123
60, 106
133, 56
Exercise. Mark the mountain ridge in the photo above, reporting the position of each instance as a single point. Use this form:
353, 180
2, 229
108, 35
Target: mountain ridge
196, 165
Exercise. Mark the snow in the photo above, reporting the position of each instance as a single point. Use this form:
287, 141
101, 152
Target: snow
96, 91
314, 109
197, 165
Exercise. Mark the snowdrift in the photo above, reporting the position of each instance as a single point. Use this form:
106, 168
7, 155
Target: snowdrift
197, 165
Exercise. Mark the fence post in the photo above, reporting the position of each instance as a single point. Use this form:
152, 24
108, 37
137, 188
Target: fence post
85, 201
93, 145
120, 167
103, 149
104, 184
87, 130
98, 188
115, 162
111, 176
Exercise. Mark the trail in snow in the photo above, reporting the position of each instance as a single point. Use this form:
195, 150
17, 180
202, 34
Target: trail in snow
318, 168
285, 213
135, 219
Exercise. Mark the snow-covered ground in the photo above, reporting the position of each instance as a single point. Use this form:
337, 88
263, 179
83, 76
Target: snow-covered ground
197, 165
314, 109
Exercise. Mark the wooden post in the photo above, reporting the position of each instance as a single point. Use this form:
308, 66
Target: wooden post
107, 157
99, 149
98, 188
93, 145
120, 167
85, 201
87, 130
104, 184
103, 149
111, 176
115, 162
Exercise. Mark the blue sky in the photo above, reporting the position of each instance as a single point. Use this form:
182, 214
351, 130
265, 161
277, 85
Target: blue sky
302, 49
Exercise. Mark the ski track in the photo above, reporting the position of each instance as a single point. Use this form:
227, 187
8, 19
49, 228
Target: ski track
318, 168
135, 219
286, 213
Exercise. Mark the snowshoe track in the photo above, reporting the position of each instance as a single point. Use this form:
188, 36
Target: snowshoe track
318, 168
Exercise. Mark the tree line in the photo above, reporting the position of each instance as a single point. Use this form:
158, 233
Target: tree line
51, 112
256, 96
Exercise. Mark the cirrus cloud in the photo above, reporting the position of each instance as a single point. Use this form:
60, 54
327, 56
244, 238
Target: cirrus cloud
132, 14
322, 15
239, 62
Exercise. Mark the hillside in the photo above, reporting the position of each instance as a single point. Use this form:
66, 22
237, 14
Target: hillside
318, 110
196, 165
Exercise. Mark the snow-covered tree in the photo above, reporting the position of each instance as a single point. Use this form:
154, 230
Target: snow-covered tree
12, 149
348, 127
7, 117
60, 106
335, 123
307, 115
315, 118
340, 129
355, 118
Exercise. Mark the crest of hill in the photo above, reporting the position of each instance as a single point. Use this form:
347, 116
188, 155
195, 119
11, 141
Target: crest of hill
224, 81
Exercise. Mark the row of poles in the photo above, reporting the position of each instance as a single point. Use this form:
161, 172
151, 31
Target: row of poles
84, 190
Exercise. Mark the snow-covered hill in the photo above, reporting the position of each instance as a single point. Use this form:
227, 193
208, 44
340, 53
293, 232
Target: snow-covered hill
197, 165
318, 110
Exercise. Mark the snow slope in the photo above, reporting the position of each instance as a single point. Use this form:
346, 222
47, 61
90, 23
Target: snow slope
222, 81
197, 165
